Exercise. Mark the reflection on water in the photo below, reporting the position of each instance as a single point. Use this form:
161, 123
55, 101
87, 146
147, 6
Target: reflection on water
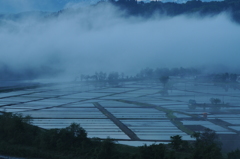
146, 111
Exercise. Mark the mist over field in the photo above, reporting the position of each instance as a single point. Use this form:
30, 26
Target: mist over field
165, 75
103, 38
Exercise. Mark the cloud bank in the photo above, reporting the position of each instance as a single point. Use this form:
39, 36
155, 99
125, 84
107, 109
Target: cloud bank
99, 38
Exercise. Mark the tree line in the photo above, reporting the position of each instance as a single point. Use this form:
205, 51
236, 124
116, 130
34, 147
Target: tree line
146, 73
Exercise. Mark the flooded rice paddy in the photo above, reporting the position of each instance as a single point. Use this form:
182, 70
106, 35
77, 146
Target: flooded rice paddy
132, 112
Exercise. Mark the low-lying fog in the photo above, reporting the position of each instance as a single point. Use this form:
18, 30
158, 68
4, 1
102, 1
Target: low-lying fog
102, 39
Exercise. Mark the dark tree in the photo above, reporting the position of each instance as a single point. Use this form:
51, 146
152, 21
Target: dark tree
176, 142
113, 76
234, 154
207, 145
215, 100
164, 80
153, 151
107, 150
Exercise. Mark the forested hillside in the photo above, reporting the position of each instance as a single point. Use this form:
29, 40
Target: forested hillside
173, 9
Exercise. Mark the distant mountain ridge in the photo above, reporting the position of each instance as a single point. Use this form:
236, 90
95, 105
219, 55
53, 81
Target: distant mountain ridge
195, 7
147, 7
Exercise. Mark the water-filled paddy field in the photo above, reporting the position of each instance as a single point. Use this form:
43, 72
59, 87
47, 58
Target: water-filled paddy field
131, 112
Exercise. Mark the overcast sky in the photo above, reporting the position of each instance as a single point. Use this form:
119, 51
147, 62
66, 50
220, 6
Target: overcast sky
16, 6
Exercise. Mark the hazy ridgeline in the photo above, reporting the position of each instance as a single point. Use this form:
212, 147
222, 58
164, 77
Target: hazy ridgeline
86, 39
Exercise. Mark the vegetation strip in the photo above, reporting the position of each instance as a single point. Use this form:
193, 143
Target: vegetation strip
123, 127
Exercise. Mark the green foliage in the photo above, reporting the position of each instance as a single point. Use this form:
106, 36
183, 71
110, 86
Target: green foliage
208, 137
15, 129
234, 154
211, 151
176, 142
207, 145
107, 150
153, 151
63, 139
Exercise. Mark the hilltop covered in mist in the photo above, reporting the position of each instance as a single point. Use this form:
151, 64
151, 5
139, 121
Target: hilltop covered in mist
191, 8
123, 36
